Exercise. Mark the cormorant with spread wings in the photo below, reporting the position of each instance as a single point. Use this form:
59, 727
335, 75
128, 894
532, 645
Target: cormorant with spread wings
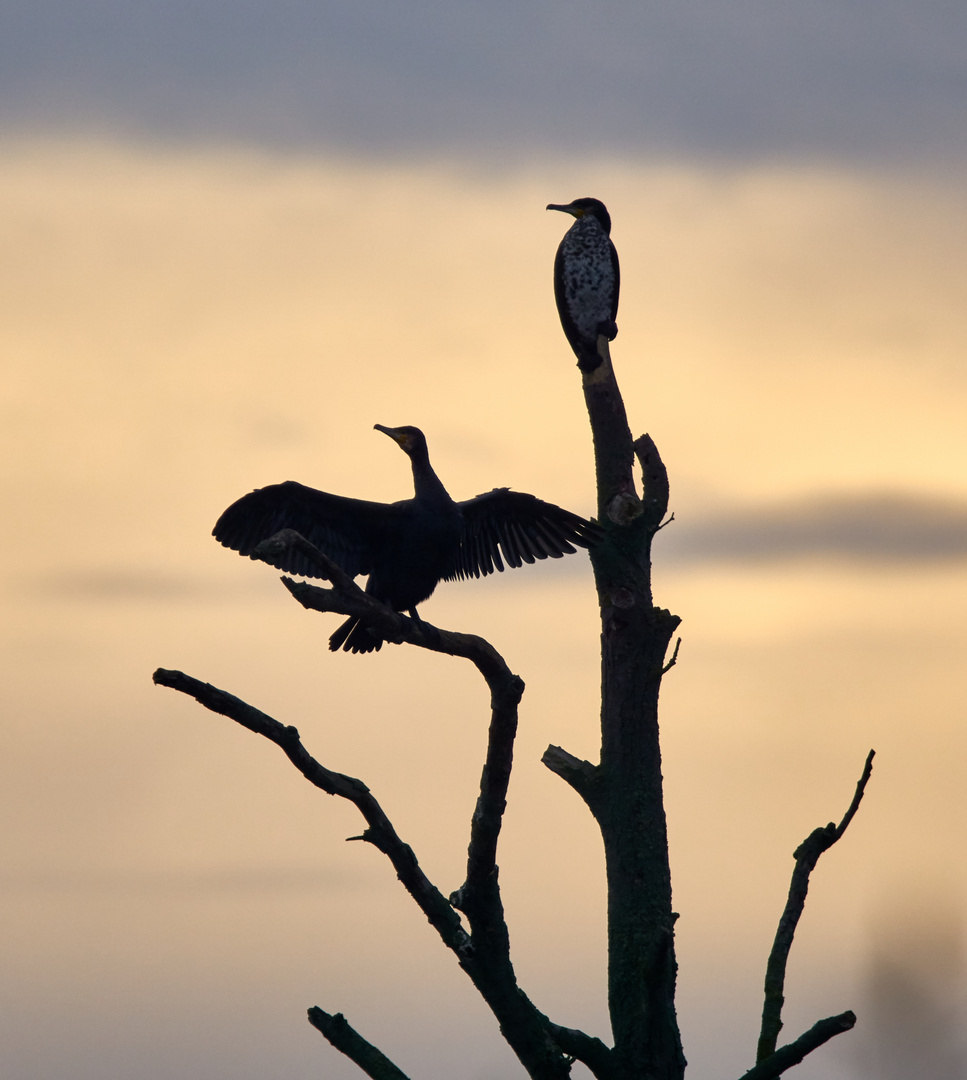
405, 547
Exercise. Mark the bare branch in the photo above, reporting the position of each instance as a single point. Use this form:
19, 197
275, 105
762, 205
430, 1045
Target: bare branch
348, 1041
398, 629
273, 547
574, 771
492, 801
380, 832
592, 1052
347, 598
654, 480
857, 797
488, 961
793, 1053
344, 598
485, 956
806, 856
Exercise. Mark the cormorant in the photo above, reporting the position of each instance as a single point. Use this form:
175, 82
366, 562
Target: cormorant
586, 280
405, 547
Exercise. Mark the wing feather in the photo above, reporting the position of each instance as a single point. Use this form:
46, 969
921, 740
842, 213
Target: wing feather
344, 529
556, 538
523, 542
508, 543
504, 526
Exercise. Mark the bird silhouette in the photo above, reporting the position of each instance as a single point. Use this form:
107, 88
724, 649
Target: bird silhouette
587, 279
405, 547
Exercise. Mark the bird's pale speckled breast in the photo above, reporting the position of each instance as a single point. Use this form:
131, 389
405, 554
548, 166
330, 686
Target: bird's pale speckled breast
588, 278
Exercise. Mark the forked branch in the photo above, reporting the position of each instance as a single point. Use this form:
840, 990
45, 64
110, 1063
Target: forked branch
806, 856
590, 1051
793, 1053
484, 952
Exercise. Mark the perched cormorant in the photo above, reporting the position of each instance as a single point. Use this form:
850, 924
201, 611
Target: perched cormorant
405, 547
586, 280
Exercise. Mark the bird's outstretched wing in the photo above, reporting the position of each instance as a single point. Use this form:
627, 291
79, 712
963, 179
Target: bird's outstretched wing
344, 529
519, 527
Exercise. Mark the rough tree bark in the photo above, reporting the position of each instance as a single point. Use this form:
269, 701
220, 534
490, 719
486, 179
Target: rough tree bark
623, 791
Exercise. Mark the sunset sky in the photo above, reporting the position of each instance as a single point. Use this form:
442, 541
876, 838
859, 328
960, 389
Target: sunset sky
236, 237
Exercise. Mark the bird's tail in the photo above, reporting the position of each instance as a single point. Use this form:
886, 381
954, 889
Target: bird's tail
355, 636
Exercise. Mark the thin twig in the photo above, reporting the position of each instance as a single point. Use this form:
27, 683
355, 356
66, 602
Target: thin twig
668, 520
348, 1041
806, 856
792, 1053
674, 660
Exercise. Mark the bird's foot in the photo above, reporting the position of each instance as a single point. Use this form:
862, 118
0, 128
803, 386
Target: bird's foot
609, 328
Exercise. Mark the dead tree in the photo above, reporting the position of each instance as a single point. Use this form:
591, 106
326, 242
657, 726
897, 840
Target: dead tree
623, 791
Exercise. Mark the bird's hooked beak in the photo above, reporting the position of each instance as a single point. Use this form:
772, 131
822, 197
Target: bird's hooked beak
402, 438
570, 208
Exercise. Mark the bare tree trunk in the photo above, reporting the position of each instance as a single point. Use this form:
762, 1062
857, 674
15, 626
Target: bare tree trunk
628, 807
624, 792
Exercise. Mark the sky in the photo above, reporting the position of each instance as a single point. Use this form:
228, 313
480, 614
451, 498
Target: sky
879, 80
237, 237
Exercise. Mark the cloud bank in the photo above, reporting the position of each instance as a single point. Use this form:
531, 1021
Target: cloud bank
865, 527
859, 80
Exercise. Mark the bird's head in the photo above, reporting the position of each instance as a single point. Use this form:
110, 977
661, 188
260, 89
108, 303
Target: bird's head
581, 207
409, 439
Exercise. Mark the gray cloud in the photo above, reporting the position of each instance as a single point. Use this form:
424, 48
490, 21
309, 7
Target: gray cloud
866, 527
861, 78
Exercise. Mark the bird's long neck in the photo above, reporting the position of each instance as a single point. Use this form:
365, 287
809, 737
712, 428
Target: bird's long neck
427, 486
